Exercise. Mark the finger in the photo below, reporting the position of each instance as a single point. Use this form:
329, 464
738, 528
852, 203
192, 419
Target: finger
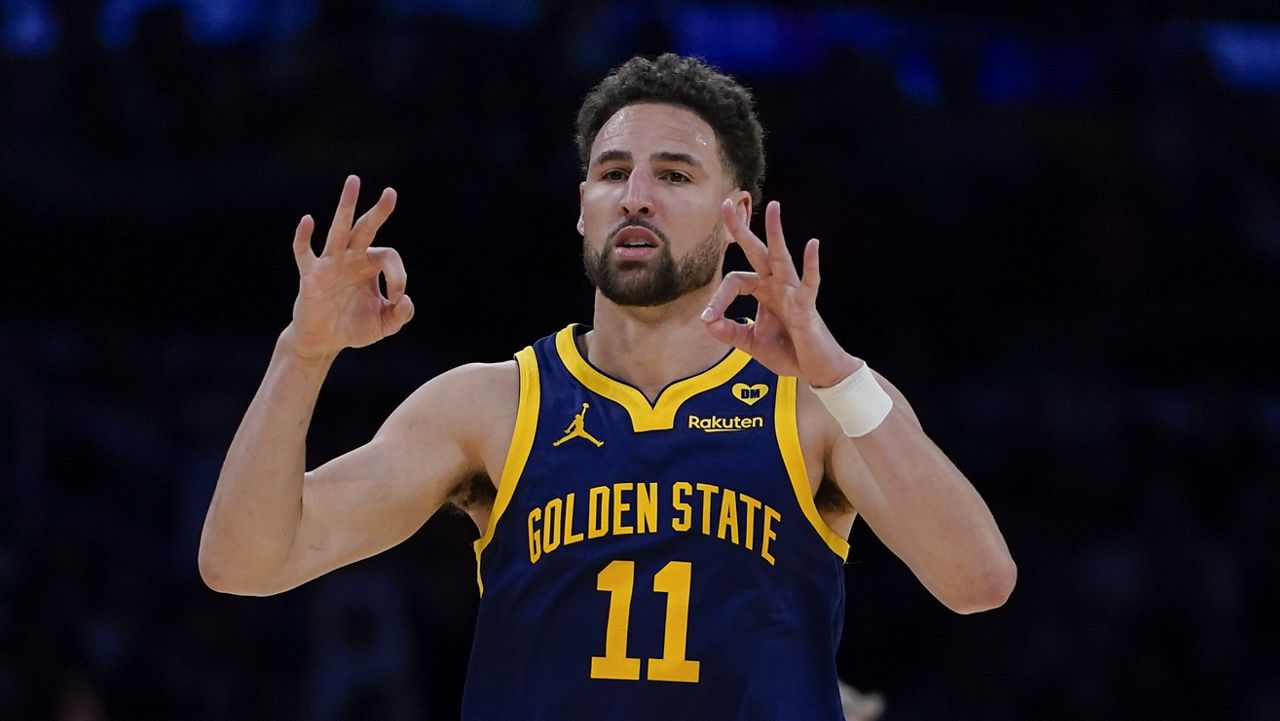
811, 279
395, 315
763, 316
388, 262
367, 227
780, 263
755, 250
340, 230
302, 253
734, 284
727, 330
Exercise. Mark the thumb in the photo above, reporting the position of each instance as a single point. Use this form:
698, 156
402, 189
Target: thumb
729, 331
395, 315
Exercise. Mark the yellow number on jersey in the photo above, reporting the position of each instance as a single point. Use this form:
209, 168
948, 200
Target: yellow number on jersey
618, 580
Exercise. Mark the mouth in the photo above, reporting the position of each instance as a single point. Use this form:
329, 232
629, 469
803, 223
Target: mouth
635, 243
635, 236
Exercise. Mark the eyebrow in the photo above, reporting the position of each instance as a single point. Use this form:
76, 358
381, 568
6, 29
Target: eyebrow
669, 157
664, 156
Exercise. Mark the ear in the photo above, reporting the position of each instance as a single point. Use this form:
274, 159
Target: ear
582, 189
742, 206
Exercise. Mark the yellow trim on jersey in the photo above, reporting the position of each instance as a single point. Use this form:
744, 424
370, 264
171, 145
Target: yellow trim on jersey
645, 417
784, 423
518, 452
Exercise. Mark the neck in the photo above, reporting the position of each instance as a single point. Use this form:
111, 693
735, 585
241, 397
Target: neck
653, 347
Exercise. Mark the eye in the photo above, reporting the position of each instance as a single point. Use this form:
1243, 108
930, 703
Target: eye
614, 174
678, 177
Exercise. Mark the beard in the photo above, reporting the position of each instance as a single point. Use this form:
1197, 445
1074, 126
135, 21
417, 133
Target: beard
641, 283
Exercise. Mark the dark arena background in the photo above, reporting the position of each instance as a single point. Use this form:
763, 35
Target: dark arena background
1056, 226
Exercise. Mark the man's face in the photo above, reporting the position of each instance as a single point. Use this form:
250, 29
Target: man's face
650, 218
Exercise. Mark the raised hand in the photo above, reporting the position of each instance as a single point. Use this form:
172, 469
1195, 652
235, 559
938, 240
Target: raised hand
788, 336
339, 304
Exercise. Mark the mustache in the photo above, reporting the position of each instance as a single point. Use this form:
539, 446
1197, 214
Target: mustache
642, 223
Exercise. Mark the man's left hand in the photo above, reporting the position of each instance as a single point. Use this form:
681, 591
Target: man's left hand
788, 336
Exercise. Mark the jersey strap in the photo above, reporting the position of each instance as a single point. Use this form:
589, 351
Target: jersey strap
789, 444
518, 453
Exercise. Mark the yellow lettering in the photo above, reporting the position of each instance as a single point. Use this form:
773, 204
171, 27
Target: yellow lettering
598, 512
674, 580
569, 536
551, 525
618, 579
646, 507
770, 516
728, 517
679, 491
619, 507
707, 489
535, 535
751, 504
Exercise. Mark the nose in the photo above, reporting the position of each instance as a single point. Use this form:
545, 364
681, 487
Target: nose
638, 198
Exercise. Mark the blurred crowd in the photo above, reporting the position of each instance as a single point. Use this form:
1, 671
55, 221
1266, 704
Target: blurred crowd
1077, 292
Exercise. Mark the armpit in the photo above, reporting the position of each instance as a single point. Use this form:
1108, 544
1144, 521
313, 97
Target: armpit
475, 492
829, 499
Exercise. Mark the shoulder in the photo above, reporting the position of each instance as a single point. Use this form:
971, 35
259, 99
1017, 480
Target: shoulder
824, 441
467, 398
818, 429
482, 383
826, 431
457, 421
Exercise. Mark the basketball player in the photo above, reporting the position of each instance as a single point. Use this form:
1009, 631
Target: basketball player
663, 497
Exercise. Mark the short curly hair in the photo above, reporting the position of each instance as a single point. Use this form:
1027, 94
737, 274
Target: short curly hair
687, 82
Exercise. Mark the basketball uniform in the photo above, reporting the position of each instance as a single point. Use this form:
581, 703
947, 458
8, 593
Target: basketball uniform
655, 562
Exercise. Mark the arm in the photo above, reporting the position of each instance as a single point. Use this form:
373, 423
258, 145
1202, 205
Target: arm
912, 496
272, 526
920, 506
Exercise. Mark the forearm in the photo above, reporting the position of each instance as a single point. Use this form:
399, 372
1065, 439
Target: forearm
256, 508
914, 498
929, 514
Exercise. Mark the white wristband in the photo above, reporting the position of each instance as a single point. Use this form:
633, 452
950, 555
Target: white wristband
858, 402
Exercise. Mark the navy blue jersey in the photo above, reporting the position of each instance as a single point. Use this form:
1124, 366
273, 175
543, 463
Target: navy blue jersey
656, 561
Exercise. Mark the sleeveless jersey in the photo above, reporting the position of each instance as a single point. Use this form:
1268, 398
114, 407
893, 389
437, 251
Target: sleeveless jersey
655, 562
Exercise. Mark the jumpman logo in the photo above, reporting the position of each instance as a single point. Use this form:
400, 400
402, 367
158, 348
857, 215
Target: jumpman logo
576, 429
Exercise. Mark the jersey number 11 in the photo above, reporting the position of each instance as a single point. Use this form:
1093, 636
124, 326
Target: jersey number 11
618, 579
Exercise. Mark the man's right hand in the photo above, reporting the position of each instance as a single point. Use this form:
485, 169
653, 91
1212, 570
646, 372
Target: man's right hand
339, 302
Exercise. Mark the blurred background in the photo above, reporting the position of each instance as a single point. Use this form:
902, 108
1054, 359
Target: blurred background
1055, 226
